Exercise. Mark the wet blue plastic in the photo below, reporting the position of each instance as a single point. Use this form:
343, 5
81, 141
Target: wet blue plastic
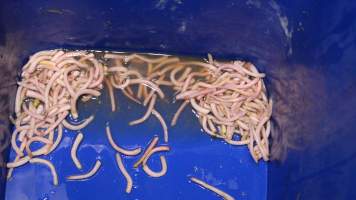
306, 48
192, 154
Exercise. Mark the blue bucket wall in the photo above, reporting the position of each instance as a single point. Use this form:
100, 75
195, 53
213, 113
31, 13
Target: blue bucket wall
306, 48
317, 94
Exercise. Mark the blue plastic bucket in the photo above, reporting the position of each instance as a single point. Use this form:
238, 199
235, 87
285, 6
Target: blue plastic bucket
306, 48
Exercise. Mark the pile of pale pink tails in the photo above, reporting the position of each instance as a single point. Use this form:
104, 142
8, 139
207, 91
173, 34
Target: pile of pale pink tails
52, 82
231, 104
229, 98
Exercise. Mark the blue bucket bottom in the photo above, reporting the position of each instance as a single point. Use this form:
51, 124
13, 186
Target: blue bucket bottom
193, 153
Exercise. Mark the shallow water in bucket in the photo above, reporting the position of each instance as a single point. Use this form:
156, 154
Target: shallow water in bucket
193, 153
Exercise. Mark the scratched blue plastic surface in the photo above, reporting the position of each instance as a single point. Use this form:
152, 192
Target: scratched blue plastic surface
310, 65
